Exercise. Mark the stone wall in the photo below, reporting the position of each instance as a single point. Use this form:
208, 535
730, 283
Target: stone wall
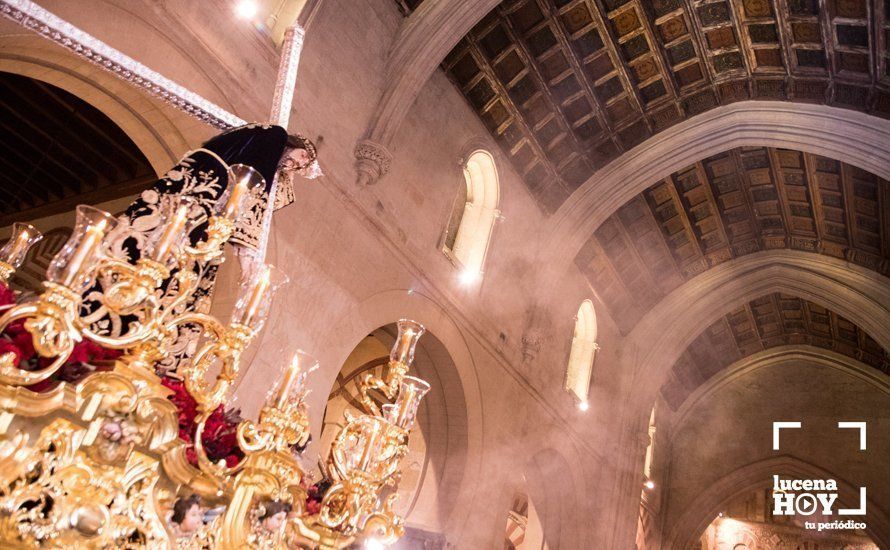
362, 257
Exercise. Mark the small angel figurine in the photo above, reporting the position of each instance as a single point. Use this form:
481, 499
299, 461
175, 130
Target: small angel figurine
188, 516
273, 516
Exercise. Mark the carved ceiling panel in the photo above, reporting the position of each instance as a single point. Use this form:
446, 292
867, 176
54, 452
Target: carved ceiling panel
771, 321
729, 205
565, 86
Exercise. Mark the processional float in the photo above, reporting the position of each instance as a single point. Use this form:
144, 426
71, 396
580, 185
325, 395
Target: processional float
96, 456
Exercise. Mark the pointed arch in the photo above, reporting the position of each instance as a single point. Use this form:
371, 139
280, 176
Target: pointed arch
581, 357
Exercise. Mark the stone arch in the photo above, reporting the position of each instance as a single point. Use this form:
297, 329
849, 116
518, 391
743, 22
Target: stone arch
707, 504
423, 41
172, 50
774, 357
162, 134
856, 293
554, 486
836, 133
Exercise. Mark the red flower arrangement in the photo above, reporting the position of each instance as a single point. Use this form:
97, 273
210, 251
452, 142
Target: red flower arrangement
85, 358
314, 495
219, 439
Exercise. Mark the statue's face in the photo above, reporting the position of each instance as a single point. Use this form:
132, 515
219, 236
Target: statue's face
192, 520
273, 523
296, 159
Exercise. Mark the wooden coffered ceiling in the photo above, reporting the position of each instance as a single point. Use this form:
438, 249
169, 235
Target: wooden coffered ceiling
59, 151
565, 86
770, 321
729, 205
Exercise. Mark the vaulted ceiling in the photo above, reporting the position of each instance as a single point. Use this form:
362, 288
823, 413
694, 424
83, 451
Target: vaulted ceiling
59, 151
729, 205
565, 86
771, 321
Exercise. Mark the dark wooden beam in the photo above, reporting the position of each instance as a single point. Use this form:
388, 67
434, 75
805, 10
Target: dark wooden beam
80, 149
124, 189
18, 132
87, 160
113, 141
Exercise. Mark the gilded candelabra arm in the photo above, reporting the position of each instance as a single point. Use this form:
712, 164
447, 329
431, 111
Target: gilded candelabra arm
338, 506
50, 321
219, 230
218, 471
252, 438
131, 284
134, 292
226, 346
400, 358
186, 281
385, 525
388, 386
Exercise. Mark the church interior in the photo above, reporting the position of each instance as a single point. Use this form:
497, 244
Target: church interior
445, 274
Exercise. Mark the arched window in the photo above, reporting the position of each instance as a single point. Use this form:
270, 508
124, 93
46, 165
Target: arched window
584, 348
475, 211
650, 448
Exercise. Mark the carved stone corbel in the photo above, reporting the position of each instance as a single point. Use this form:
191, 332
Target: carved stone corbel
373, 161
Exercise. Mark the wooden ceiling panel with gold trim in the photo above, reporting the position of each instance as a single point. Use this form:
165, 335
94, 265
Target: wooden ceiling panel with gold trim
565, 86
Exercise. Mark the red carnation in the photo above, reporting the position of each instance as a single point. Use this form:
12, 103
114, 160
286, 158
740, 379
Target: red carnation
15, 327
43, 385
25, 342
7, 296
219, 438
79, 354
191, 456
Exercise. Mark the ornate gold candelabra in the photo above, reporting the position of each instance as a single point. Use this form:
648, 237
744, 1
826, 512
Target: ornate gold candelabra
366, 454
13, 253
97, 463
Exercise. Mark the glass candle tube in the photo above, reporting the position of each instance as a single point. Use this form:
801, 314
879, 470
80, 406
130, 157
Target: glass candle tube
390, 412
371, 447
294, 376
411, 392
23, 237
74, 263
406, 341
242, 181
171, 231
256, 297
